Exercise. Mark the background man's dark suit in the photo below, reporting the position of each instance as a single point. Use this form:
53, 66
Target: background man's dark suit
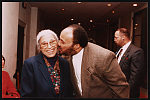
132, 65
36, 80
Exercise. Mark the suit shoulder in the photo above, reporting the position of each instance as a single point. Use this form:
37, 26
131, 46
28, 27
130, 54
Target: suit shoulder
32, 59
135, 48
99, 50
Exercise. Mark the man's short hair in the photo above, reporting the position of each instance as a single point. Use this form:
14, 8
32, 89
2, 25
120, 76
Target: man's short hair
124, 31
79, 35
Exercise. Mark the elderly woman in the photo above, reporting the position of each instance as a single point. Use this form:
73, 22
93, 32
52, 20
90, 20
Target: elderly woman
8, 89
46, 74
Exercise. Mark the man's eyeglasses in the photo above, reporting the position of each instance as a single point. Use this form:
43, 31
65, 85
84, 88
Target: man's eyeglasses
51, 43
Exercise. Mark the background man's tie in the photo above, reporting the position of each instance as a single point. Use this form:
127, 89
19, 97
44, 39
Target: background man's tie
119, 53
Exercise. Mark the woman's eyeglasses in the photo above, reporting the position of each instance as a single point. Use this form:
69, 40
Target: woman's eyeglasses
51, 43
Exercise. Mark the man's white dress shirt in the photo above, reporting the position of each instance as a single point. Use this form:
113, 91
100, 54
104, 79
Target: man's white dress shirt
77, 61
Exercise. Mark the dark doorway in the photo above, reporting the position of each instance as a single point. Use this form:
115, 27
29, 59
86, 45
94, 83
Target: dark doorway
140, 33
17, 74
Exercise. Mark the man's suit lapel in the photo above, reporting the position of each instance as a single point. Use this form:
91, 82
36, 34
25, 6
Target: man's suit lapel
73, 77
86, 69
43, 68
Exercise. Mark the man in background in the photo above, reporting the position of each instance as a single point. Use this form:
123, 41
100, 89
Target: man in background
131, 61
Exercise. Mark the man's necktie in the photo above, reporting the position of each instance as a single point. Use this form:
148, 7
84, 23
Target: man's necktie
119, 53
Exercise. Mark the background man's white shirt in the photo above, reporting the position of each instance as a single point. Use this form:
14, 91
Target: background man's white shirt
123, 51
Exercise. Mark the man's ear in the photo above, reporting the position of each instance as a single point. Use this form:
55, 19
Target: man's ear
123, 37
76, 46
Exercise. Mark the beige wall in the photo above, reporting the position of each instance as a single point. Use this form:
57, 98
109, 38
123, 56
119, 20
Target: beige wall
28, 16
10, 11
24, 21
33, 31
13, 14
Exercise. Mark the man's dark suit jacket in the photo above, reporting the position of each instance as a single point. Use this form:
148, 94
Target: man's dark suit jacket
132, 65
36, 80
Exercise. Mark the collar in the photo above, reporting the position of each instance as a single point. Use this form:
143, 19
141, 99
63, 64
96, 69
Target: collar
123, 51
78, 54
51, 60
126, 46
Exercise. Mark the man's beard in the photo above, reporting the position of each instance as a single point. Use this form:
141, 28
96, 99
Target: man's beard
69, 52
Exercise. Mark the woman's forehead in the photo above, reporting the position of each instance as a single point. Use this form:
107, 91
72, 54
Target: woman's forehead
47, 37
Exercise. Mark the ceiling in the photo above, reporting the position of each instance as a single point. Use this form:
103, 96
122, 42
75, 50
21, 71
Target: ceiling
63, 12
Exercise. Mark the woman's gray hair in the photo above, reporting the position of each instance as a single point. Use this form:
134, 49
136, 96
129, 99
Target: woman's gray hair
44, 33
